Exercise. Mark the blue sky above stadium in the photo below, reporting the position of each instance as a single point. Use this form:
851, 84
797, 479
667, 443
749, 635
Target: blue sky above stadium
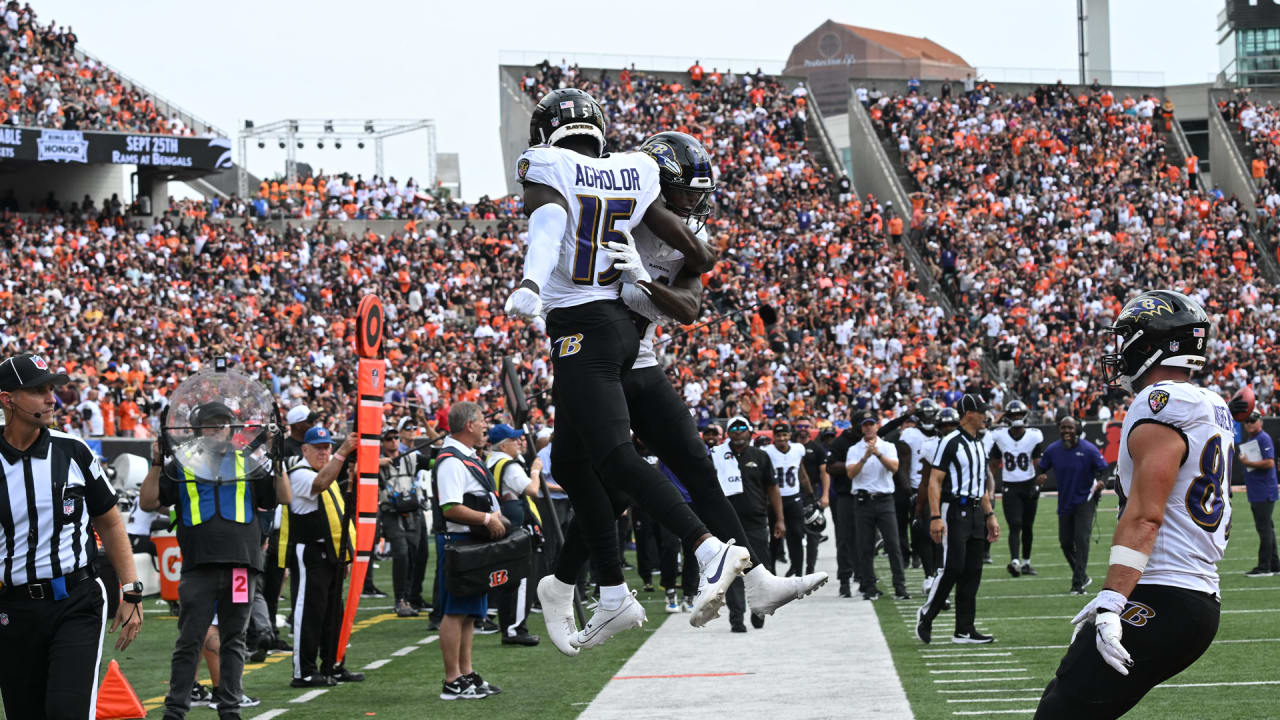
273, 60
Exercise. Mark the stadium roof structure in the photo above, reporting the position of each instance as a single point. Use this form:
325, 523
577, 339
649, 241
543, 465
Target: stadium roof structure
908, 46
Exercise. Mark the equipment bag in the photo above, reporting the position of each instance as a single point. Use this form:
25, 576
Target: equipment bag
474, 568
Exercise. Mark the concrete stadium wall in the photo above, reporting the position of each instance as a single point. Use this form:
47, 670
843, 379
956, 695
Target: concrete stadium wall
1230, 169
70, 183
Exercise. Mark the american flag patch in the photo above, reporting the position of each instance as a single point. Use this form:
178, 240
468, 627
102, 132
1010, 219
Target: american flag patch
1197, 332
566, 104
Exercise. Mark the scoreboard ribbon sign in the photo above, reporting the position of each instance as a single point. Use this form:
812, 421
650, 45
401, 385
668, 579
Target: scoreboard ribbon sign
371, 378
109, 148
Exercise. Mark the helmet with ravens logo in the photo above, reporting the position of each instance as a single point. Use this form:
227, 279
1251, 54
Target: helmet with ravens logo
814, 519
564, 113
1159, 327
1016, 414
684, 169
927, 413
948, 417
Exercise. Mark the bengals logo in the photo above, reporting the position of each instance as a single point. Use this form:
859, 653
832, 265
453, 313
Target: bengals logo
497, 578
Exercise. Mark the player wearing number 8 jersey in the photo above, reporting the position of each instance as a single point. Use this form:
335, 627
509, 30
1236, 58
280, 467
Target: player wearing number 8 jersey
1158, 611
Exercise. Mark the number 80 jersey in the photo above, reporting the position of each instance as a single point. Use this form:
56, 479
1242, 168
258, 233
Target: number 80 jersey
1197, 515
604, 195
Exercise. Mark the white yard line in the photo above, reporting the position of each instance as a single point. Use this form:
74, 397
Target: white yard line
996, 700
974, 662
376, 664
974, 680
1221, 684
309, 695
270, 714
405, 650
994, 712
983, 670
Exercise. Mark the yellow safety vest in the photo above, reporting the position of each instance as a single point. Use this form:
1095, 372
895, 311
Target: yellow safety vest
333, 507
200, 500
498, 468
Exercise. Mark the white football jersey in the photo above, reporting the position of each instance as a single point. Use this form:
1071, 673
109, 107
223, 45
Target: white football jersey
663, 263
1015, 455
927, 450
915, 439
603, 194
786, 467
1197, 516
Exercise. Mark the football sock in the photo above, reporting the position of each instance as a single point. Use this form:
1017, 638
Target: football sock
707, 551
612, 596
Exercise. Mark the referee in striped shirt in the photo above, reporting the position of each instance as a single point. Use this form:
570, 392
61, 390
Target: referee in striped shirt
53, 610
962, 521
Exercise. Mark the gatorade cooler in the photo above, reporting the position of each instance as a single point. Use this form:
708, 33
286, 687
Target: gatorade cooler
170, 559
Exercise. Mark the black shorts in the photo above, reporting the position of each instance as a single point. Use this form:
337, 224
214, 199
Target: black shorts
592, 346
1165, 629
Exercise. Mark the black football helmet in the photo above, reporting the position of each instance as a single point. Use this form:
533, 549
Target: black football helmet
684, 169
927, 413
1016, 413
565, 112
814, 519
1159, 327
948, 417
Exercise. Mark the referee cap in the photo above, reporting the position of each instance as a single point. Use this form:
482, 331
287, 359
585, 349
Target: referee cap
972, 402
24, 371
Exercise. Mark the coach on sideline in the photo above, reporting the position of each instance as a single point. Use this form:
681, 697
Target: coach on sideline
52, 608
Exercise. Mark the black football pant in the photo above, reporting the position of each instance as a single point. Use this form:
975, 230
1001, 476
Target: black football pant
1074, 531
1020, 500
593, 347
736, 598
50, 653
903, 507
842, 512
929, 552
403, 533
317, 609
793, 517
961, 563
1165, 629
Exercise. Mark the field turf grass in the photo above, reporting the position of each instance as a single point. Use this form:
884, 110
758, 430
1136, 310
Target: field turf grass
537, 682
1027, 650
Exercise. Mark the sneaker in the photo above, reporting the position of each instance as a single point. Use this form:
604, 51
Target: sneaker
316, 680
404, 609
767, 592
845, 592
523, 638
418, 603
757, 621
1076, 590
1087, 582
433, 625
648, 587
281, 646
1028, 570
605, 623
372, 591
486, 627
200, 694
1014, 568
686, 604
245, 702
901, 594
343, 675
482, 685
915, 563
986, 559
924, 626
1258, 573
973, 637
461, 689
738, 628
672, 605
717, 576
872, 596
557, 610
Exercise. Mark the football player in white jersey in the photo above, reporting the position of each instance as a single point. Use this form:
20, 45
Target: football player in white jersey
582, 205
1158, 610
787, 457
1013, 451
914, 436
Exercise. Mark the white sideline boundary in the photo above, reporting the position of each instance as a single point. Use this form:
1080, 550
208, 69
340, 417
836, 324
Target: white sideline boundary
812, 677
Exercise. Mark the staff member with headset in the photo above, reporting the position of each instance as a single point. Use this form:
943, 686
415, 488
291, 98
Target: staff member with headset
221, 543
52, 609
748, 480
960, 517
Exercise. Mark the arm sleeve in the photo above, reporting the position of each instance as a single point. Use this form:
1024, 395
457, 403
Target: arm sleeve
546, 228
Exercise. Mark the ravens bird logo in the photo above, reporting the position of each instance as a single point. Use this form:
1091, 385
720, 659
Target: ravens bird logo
1147, 307
665, 156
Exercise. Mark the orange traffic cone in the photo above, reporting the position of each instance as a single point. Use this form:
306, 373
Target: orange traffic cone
116, 698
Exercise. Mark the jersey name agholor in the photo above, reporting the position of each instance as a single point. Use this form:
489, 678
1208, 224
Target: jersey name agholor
1015, 455
604, 194
1197, 516
786, 467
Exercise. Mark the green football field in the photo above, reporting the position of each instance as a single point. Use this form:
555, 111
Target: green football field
1029, 617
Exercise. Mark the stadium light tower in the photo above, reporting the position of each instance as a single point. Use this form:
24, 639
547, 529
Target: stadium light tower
1093, 18
295, 132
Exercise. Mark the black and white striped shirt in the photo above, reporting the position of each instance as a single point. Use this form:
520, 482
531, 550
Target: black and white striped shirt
50, 492
962, 457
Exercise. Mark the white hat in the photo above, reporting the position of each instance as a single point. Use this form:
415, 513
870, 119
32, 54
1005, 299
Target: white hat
544, 433
298, 414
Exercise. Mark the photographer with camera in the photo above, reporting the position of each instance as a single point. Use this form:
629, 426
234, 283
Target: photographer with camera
400, 516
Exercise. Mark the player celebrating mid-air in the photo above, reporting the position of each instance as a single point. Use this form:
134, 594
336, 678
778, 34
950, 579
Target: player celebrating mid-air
1158, 610
671, 293
582, 204
1015, 449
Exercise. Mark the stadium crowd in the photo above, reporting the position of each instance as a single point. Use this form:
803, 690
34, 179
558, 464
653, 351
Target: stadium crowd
47, 85
1041, 213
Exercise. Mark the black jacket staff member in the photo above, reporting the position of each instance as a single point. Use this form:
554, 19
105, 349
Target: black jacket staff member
52, 609
311, 545
960, 517
221, 543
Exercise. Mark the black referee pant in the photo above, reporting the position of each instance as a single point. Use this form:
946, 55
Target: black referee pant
50, 651
962, 551
317, 609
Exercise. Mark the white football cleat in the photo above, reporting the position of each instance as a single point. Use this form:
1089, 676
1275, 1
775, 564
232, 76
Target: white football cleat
767, 592
557, 611
717, 576
604, 623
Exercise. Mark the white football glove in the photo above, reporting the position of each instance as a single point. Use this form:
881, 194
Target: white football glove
1104, 612
524, 302
626, 258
